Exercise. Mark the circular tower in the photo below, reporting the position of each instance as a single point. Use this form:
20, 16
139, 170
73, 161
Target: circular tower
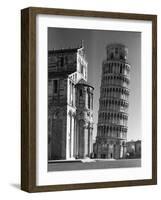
113, 104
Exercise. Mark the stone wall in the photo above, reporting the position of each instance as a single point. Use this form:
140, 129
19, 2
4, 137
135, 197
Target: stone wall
70, 114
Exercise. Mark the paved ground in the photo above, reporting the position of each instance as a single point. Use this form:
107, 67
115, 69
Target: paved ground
94, 164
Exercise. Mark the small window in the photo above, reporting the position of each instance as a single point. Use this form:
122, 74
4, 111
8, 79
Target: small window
120, 69
80, 93
92, 101
89, 100
121, 56
62, 61
82, 69
116, 51
66, 59
112, 56
55, 86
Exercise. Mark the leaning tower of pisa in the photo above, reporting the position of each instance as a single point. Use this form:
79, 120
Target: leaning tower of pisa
113, 104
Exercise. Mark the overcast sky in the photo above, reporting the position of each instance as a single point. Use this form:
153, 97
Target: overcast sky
95, 42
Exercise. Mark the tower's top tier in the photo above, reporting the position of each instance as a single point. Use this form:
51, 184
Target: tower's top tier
116, 52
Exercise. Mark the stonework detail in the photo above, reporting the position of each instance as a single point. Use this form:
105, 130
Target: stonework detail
113, 104
70, 105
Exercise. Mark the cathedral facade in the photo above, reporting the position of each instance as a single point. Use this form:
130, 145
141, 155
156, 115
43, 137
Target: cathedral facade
113, 104
70, 105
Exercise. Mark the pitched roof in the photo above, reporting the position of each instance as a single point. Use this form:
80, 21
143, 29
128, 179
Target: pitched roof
83, 82
71, 50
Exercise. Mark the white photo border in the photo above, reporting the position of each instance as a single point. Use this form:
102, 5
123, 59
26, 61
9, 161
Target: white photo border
43, 177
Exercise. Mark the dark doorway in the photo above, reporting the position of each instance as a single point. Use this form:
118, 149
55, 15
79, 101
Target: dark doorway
103, 155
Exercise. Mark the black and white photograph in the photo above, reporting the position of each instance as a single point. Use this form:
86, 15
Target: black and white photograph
94, 99
89, 100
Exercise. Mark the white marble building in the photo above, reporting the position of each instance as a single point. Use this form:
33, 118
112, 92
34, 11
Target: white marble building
70, 105
113, 104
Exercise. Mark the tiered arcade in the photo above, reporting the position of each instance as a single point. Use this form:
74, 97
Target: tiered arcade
113, 104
